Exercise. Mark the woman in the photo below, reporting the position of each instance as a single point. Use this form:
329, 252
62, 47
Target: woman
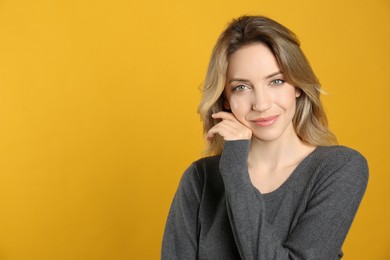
278, 186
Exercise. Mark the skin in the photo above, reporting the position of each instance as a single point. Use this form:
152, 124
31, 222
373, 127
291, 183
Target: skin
263, 105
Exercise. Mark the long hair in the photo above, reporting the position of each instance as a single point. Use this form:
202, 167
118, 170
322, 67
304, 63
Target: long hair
310, 122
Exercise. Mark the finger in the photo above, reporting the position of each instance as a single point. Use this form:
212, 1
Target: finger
224, 116
225, 132
230, 130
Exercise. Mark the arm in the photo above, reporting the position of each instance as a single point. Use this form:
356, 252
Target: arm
321, 229
181, 230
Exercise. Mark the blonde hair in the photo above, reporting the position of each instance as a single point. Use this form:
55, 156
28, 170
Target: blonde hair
310, 122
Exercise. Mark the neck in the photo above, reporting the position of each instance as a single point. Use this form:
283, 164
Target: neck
283, 152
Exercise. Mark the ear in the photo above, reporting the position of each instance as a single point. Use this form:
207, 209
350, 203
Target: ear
298, 92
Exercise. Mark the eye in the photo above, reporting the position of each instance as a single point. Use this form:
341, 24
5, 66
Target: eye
277, 82
240, 88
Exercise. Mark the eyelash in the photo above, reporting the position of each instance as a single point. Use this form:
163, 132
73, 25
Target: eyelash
237, 88
273, 82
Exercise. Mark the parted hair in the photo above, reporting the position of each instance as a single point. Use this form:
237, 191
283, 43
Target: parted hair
310, 121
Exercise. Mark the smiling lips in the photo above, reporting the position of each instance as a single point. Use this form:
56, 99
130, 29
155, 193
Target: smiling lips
266, 121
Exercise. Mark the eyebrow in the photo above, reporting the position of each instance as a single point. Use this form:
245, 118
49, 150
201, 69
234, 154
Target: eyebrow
267, 77
273, 74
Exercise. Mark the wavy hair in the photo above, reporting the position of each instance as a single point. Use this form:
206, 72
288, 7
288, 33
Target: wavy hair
310, 122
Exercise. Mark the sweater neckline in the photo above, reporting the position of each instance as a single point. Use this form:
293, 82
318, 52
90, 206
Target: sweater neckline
295, 173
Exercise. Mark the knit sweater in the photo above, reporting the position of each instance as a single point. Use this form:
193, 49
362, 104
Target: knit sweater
217, 213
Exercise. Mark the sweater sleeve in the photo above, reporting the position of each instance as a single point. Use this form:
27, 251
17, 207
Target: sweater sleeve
181, 229
320, 230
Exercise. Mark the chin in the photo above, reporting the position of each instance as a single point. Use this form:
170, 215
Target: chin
266, 138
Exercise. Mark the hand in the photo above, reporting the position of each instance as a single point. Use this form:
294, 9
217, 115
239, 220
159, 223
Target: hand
229, 128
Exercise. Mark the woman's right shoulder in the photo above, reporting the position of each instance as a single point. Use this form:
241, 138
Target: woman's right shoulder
207, 164
201, 168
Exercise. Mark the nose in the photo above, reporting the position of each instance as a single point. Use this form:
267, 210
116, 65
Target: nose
262, 101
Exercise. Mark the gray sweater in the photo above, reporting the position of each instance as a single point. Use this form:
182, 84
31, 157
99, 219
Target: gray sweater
218, 214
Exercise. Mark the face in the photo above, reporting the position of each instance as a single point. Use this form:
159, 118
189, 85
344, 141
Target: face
258, 95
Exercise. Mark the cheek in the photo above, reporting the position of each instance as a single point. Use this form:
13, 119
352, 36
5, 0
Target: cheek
239, 106
288, 100
240, 110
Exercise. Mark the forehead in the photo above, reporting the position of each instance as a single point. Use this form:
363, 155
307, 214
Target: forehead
252, 61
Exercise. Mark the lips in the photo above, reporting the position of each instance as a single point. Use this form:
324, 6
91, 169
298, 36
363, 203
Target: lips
265, 121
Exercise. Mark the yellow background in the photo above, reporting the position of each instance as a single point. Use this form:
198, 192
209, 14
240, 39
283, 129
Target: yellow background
98, 115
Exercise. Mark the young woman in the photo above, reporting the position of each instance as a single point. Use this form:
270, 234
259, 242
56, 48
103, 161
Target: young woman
277, 185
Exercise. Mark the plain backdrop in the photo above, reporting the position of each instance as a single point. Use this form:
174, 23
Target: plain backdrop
98, 115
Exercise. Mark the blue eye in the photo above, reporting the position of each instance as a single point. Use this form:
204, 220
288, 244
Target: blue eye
240, 88
277, 82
